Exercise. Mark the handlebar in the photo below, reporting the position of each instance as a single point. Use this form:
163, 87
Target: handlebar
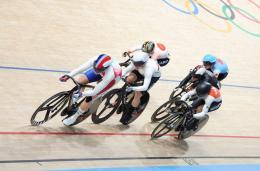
78, 84
127, 62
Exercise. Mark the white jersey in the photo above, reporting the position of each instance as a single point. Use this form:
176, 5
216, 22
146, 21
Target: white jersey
159, 52
149, 70
213, 96
110, 77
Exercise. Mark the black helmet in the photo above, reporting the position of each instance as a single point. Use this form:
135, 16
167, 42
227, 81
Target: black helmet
203, 89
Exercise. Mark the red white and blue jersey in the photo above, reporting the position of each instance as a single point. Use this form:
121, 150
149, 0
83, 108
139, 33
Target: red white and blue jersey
110, 76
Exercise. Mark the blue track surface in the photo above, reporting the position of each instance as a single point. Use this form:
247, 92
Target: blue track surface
178, 168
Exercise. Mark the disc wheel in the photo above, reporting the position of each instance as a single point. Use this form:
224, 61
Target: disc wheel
187, 133
144, 101
49, 108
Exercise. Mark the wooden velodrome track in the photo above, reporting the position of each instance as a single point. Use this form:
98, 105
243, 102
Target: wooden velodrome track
40, 39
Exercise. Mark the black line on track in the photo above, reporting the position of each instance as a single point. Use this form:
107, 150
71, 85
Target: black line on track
128, 158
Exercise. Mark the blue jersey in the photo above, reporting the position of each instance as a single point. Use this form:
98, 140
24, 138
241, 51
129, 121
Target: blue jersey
219, 67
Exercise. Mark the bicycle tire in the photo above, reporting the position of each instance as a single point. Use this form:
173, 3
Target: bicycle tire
96, 117
172, 95
156, 116
60, 99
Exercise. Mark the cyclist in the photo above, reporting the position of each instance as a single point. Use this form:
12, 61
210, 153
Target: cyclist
216, 66
156, 51
104, 70
209, 99
198, 75
202, 75
142, 68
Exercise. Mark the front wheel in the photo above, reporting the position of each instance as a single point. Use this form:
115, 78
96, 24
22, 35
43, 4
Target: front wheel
49, 108
110, 103
167, 125
162, 112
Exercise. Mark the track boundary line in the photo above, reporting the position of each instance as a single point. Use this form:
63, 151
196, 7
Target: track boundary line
120, 134
66, 71
127, 158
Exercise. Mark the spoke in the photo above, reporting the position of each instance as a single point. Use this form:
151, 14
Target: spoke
53, 100
61, 99
45, 108
60, 104
102, 111
47, 115
158, 133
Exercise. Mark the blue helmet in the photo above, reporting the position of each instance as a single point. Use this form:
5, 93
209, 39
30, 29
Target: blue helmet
209, 59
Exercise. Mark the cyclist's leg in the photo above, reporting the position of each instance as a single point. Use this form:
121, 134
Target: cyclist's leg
137, 97
135, 76
132, 77
91, 77
84, 106
88, 77
197, 103
197, 107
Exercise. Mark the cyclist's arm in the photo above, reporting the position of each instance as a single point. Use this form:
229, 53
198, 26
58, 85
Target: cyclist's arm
128, 69
208, 101
147, 80
82, 67
134, 49
103, 85
189, 94
216, 72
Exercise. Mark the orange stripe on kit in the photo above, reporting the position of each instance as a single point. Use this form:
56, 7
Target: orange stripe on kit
161, 46
214, 92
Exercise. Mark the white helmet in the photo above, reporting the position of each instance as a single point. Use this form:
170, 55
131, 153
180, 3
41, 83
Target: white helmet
140, 58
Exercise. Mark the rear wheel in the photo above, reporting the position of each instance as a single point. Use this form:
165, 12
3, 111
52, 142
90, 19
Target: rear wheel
144, 101
187, 133
162, 113
49, 108
107, 108
167, 125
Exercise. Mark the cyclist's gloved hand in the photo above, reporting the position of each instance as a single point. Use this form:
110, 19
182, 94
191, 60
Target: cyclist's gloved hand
125, 54
64, 78
128, 89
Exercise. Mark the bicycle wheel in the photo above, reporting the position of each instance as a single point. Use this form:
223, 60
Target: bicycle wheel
161, 113
49, 108
187, 133
167, 125
110, 103
172, 94
144, 101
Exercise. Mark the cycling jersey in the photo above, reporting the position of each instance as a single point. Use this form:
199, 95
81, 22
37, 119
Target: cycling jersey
149, 70
213, 96
108, 78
